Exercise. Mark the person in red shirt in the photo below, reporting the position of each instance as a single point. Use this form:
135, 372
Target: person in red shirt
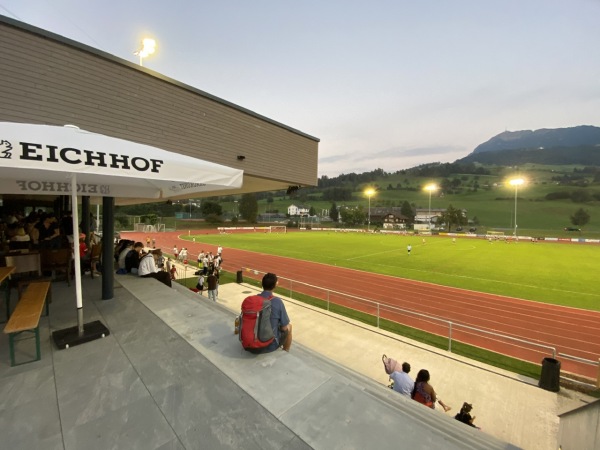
84, 254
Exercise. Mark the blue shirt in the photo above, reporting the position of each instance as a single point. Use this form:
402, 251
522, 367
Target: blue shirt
279, 317
402, 383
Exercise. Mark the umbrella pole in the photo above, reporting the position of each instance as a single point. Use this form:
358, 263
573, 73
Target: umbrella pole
77, 257
79, 334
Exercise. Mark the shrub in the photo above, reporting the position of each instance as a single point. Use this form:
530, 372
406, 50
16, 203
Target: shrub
560, 195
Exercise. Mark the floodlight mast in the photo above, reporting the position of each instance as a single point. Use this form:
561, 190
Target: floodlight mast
148, 48
516, 182
369, 193
430, 188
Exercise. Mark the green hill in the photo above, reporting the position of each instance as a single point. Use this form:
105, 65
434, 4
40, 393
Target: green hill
487, 198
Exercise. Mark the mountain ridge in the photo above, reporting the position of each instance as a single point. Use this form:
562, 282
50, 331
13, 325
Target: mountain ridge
554, 146
582, 135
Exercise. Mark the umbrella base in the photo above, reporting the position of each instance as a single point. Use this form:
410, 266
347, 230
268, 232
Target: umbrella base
69, 337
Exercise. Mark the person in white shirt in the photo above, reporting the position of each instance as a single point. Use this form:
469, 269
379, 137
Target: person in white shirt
205, 266
148, 269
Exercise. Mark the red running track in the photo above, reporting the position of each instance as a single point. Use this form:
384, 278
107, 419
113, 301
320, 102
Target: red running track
570, 331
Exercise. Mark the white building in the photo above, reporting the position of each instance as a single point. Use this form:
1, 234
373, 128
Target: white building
294, 210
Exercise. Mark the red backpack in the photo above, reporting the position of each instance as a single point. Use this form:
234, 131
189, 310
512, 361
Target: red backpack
255, 322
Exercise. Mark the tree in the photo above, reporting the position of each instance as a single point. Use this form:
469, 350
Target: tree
209, 208
151, 219
334, 214
249, 207
312, 211
353, 216
580, 218
453, 216
407, 211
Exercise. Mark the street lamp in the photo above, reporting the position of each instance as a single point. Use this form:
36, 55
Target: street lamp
148, 47
430, 188
516, 182
369, 193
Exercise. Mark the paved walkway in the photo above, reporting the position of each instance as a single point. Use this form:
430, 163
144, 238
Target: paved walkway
171, 375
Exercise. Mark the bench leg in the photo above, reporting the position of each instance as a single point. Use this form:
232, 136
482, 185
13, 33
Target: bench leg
11, 344
7, 295
48, 301
38, 350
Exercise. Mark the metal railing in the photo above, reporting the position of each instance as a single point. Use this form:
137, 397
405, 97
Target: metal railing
376, 308
583, 361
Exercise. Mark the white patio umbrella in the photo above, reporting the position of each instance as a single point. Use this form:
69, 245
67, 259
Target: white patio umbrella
54, 160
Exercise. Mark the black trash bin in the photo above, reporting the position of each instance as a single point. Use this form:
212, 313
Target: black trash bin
550, 377
239, 278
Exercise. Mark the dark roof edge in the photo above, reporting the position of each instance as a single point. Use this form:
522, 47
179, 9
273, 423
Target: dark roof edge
64, 40
578, 408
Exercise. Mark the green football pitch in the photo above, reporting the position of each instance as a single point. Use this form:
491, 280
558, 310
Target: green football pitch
560, 273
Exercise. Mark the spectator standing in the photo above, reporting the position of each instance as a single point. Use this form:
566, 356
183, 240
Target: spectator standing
200, 284
403, 383
212, 284
49, 236
205, 265
160, 259
171, 269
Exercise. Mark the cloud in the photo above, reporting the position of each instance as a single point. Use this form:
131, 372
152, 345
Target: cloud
390, 160
400, 152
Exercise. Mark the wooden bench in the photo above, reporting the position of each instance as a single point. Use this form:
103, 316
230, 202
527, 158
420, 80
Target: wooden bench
26, 317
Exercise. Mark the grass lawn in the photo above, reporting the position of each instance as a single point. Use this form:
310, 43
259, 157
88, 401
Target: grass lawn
563, 274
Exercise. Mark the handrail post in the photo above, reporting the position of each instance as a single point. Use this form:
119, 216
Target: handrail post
598, 378
450, 336
327, 299
377, 315
291, 288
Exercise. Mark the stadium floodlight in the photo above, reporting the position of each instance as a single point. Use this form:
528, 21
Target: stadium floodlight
148, 48
369, 193
430, 188
516, 182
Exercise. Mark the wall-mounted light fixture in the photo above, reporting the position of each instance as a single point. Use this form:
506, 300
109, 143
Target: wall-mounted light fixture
241, 157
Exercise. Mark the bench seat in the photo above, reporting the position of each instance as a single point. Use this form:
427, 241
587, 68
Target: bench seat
26, 317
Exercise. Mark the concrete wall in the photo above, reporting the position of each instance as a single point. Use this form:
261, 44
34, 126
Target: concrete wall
580, 428
49, 79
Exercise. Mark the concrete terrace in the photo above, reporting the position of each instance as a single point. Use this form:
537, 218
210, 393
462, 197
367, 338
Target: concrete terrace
172, 375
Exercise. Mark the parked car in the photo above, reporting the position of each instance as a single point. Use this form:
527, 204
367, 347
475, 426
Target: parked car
459, 228
572, 229
472, 230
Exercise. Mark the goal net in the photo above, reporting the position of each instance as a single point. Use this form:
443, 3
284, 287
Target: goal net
144, 228
278, 229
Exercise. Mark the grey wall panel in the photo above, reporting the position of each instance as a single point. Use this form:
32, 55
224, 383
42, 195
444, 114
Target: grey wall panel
48, 79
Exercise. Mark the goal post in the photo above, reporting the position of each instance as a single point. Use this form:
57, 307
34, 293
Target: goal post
278, 229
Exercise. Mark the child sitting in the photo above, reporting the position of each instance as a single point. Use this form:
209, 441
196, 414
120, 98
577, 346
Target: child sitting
464, 415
